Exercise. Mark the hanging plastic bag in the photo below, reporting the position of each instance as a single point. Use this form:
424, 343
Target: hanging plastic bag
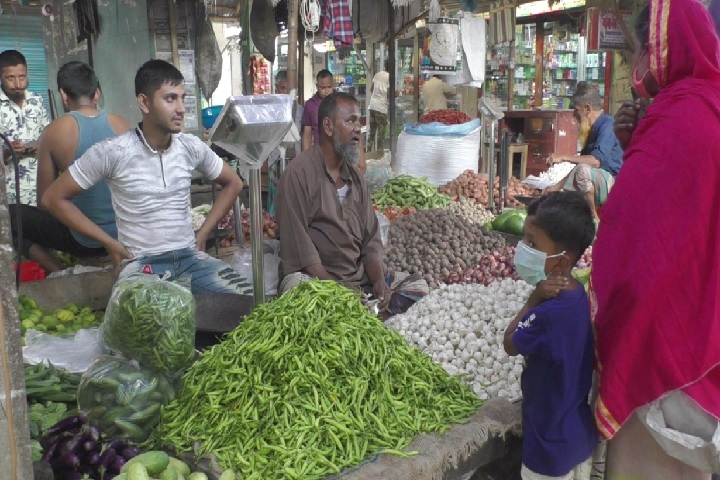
378, 172
384, 225
122, 398
152, 320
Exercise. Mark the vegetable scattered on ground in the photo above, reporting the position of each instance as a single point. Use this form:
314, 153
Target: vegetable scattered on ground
448, 117
435, 243
407, 191
152, 321
462, 328
320, 384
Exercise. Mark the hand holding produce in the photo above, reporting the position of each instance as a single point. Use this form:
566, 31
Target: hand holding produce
152, 321
406, 191
123, 399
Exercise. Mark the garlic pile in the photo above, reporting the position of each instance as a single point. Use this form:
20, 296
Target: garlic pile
462, 327
474, 213
557, 172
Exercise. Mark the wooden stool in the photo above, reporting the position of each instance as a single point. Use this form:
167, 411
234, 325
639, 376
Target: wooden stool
522, 149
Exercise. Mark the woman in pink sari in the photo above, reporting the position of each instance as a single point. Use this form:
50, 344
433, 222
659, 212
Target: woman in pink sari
656, 269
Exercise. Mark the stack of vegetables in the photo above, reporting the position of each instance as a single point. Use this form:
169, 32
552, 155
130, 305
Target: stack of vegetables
462, 328
151, 322
447, 117
68, 319
435, 243
407, 191
497, 265
309, 385
510, 221
474, 186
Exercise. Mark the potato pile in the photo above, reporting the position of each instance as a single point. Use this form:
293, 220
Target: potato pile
474, 186
435, 243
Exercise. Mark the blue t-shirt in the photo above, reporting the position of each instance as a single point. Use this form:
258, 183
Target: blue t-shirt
604, 145
557, 342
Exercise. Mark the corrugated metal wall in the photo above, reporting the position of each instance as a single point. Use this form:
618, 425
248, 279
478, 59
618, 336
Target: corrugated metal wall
25, 34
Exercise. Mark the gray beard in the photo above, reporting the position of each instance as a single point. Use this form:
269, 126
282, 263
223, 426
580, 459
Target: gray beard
349, 153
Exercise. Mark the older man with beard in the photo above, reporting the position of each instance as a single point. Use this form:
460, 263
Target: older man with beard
601, 156
328, 227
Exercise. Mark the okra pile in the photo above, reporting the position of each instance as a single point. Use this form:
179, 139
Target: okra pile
309, 385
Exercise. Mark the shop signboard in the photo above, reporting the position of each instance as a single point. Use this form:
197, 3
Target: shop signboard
604, 32
542, 7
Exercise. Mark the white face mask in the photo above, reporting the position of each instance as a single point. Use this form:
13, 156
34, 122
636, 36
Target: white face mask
530, 263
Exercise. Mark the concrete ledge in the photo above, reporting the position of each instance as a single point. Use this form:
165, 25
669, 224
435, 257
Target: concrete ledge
90, 289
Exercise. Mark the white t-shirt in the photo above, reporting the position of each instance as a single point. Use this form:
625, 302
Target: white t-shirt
379, 99
150, 191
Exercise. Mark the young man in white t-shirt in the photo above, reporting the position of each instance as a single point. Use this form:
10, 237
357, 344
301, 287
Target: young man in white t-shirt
149, 170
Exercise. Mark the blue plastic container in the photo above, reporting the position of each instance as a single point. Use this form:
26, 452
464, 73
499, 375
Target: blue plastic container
209, 115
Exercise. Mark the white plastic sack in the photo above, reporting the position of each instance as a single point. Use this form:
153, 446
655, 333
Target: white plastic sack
242, 263
384, 225
439, 158
74, 353
378, 172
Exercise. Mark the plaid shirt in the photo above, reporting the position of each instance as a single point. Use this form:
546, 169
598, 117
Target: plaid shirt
338, 22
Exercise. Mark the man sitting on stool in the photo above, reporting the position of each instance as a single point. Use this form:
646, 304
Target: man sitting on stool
328, 227
601, 156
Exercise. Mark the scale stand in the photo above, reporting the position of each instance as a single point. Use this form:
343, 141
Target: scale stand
490, 112
250, 127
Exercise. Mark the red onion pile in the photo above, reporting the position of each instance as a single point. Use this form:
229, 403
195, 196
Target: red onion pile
497, 265
586, 259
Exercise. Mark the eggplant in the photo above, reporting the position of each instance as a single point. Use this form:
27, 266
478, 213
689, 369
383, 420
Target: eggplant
67, 424
107, 457
68, 475
118, 444
49, 452
68, 461
91, 446
93, 433
130, 452
117, 464
47, 441
93, 458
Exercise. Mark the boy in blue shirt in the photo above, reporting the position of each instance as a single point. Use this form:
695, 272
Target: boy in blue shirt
553, 332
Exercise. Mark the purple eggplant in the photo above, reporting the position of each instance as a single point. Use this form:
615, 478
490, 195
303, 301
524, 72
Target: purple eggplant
67, 424
47, 441
118, 444
68, 461
91, 446
93, 458
93, 433
117, 464
130, 452
107, 457
68, 475
49, 452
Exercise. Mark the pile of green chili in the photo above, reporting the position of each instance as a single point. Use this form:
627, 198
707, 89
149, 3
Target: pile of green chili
309, 385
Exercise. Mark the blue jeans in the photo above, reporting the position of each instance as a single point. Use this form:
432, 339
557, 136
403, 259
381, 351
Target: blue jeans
206, 274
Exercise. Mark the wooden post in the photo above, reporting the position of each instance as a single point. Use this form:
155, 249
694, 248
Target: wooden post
393, 81
539, 62
416, 76
292, 64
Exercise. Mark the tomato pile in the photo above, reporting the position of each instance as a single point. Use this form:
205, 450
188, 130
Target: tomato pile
393, 212
448, 117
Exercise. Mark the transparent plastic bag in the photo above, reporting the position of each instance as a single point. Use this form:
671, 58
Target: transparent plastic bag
152, 320
384, 225
122, 398
242, 263
72, 352
378, 172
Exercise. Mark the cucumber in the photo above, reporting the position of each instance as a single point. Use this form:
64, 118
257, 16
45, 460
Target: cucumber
169, 473
154, 462
137, 471
180, 466
228, 475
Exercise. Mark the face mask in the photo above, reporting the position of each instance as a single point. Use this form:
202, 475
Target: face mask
530, 263
639, 83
